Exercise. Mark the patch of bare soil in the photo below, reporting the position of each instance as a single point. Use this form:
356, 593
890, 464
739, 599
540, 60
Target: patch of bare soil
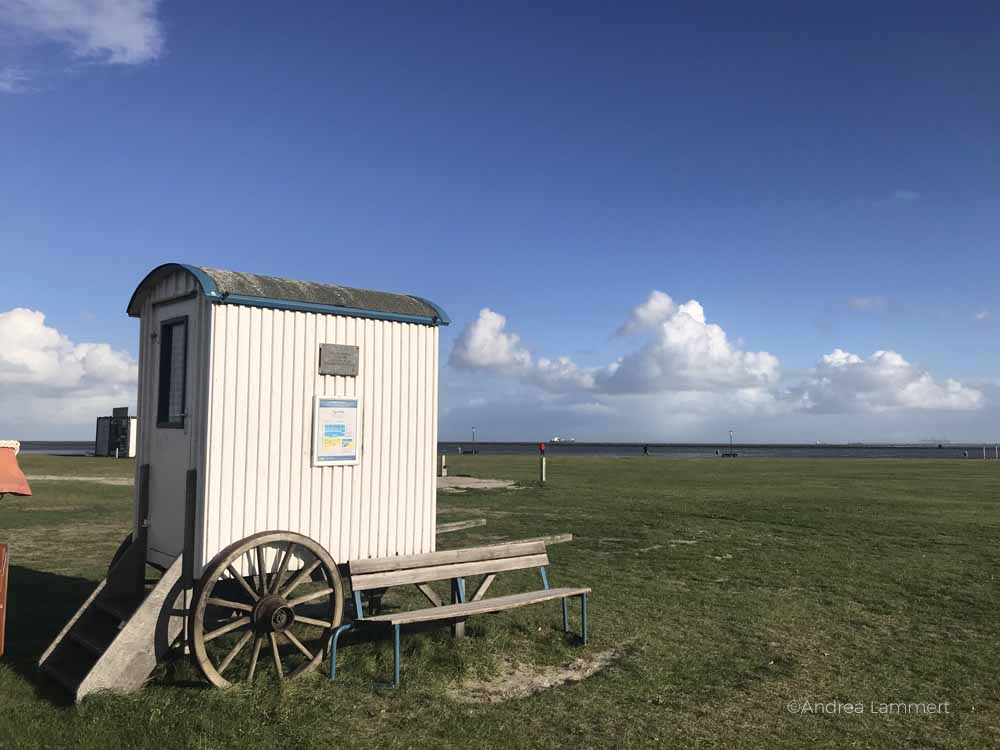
120, 481
461, 484
516, 680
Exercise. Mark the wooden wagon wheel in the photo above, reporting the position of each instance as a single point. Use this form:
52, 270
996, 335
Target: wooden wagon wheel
275, 591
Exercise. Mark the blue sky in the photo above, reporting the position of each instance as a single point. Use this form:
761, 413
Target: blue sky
818, 179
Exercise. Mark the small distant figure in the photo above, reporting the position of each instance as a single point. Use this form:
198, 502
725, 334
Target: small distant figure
716, 451
460, 450
965, 454
645, 450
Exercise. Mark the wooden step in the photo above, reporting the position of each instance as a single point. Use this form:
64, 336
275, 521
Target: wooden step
63, 679
69, 665
90, 641
120, 607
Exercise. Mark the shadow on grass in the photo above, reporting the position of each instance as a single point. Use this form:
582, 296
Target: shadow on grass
39, 604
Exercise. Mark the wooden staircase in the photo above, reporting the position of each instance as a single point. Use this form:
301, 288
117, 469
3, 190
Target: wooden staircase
117, 637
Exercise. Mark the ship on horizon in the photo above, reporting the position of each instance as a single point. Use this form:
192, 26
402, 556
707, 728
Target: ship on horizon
558, 439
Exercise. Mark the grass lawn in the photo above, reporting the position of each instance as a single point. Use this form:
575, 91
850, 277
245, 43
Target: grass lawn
723, 591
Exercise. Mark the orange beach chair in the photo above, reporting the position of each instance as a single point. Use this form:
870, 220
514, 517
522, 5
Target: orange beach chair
12, 482
12, 479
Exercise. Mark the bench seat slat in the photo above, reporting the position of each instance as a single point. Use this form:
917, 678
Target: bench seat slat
482, 606
466, 554
365, 582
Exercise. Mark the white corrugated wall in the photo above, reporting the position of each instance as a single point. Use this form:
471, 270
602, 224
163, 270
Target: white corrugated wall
258, 475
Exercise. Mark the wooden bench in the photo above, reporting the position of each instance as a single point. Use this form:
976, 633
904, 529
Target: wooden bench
455, 566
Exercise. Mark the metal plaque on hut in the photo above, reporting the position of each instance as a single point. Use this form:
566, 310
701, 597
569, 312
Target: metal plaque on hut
338, 359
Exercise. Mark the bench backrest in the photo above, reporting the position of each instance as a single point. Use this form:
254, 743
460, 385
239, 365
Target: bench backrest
382, 572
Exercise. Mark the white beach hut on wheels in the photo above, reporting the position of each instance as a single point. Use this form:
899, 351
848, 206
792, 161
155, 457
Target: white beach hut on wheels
232, 367
285, 428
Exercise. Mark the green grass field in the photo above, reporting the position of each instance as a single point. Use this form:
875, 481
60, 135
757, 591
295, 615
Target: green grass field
723, 591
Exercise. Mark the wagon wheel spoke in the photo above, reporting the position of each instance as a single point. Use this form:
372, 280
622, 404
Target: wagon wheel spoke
244, 640
242, 581
274, 652
309, 597
313, 621
261, 575
229, 604
234, 625
258, 642
300, 577
290, 636
282, 568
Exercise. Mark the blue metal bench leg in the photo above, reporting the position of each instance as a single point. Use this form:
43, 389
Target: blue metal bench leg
583, 616
565, 616
395, 656
333, 652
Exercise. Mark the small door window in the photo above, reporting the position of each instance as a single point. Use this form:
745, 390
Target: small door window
173, 373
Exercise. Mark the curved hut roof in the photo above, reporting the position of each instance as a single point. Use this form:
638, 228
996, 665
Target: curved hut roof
236, 288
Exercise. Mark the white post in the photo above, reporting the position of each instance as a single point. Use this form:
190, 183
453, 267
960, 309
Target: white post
984, 452
542, 469
443, 466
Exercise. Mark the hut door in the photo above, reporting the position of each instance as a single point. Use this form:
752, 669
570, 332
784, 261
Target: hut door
173, 326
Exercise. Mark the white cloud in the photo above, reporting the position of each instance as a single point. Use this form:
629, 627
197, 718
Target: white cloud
688, 353
591, 409
561, 373
13, 80
113, 31
657, 308
983, 315
484, 344
905, 196
843, 382
47, 379
688, 370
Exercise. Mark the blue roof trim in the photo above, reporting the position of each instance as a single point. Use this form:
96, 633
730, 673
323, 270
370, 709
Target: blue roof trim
286, 304
208, 287
212, 293
443, 318
207, 284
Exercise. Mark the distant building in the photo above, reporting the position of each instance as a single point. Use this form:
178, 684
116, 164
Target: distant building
116, 435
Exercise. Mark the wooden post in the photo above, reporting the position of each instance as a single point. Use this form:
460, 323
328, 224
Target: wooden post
3, 593
187, 564
141, 534
542, 469
457, 596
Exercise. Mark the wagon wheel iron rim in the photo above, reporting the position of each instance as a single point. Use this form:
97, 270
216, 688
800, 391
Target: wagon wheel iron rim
259, 606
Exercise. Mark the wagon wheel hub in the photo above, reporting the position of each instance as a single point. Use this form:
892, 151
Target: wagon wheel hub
272, 615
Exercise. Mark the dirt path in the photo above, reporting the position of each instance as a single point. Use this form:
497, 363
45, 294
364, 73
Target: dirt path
461, 484
119, 481
516, 680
